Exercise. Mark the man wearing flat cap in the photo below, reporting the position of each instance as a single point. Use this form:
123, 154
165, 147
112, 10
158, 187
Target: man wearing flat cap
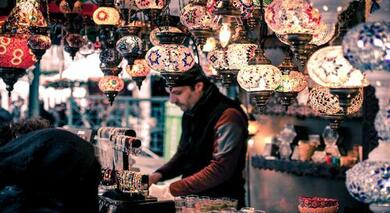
211, 153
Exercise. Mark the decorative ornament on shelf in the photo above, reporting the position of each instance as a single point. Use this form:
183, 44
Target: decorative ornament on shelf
138, 71
111, 85
259, 78
322, 101
106, 16
367, 46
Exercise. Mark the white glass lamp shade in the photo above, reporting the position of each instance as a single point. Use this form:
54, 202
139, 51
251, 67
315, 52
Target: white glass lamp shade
367, 46
382, 123
260, 77
292, 82
328, 67
147, 4
111, 83
320, 100
217, 59
323, 34
239, 54
129, 44
196, 17
153, 38
170, 58
139, 69
368, 181
106, 16
292, 16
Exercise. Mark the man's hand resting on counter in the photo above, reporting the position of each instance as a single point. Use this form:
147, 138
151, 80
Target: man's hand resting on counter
154, 178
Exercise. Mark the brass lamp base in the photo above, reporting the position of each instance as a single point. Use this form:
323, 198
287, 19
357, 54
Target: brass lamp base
259, 99
297, 43
286, 98
111, 95
335, 120
201, 35
345, 96
171, 78
227, 76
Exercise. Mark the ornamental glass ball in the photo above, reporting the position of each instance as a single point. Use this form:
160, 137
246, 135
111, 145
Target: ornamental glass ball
259, 77
129, 44
170, 58
292, 82
367, 46
195, 17
111, 83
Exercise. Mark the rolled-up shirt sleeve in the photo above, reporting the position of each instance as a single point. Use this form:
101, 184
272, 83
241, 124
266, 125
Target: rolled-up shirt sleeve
230, 131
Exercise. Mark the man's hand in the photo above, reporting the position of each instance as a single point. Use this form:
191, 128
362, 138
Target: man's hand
154, 178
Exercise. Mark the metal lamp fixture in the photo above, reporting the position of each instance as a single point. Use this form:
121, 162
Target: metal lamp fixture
138, 71
259, 79
111, 85
297, 20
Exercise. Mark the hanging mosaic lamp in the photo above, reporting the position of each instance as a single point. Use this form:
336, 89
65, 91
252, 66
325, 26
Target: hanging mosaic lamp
129, 46
39, 42
106, 16
138, 71
259, 78
15, 58
111, 85
72, 43
367, 46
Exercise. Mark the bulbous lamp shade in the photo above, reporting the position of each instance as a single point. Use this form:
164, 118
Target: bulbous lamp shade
255, 78
292, 82
328, 67
195, 16
367, 46
322, 101
139, 69
153, 38
111, 85
292, 17
14, 52
39, 42
106, 16
170, 58
368, 182
239, 54
147, 4
129, 47
217, 59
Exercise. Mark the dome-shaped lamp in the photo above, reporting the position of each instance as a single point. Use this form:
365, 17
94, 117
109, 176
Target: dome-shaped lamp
259, 78
138, 71
367, 46
130, 47
109, 59
297, 20
106, 16
39, 42
322, 101
73, 42
198, 20
111, 85
15, 58
328, 67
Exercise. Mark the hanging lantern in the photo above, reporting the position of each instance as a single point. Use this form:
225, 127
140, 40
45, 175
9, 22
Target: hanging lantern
147, 4
39, 42
367, 46
111, 85
198, 20
109, 58
290, 85
322, 101
153, 38
72, 43
130, 47
106, 16
328, 67
259, 78
170, 58
138, 71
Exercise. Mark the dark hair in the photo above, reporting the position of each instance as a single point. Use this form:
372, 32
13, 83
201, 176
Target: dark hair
13, 130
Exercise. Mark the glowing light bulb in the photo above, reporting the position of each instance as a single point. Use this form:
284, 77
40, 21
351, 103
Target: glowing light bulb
210, 45
224, 34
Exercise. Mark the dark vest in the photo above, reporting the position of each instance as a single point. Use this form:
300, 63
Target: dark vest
197, 141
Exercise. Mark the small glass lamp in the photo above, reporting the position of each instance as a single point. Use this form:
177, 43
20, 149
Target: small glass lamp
259, 78
39, 42
106, 16
73, 42
15, 58
111, 85
130, 47
296, 19
322, 101
367, 46
198, 20
153, 38
138, 71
